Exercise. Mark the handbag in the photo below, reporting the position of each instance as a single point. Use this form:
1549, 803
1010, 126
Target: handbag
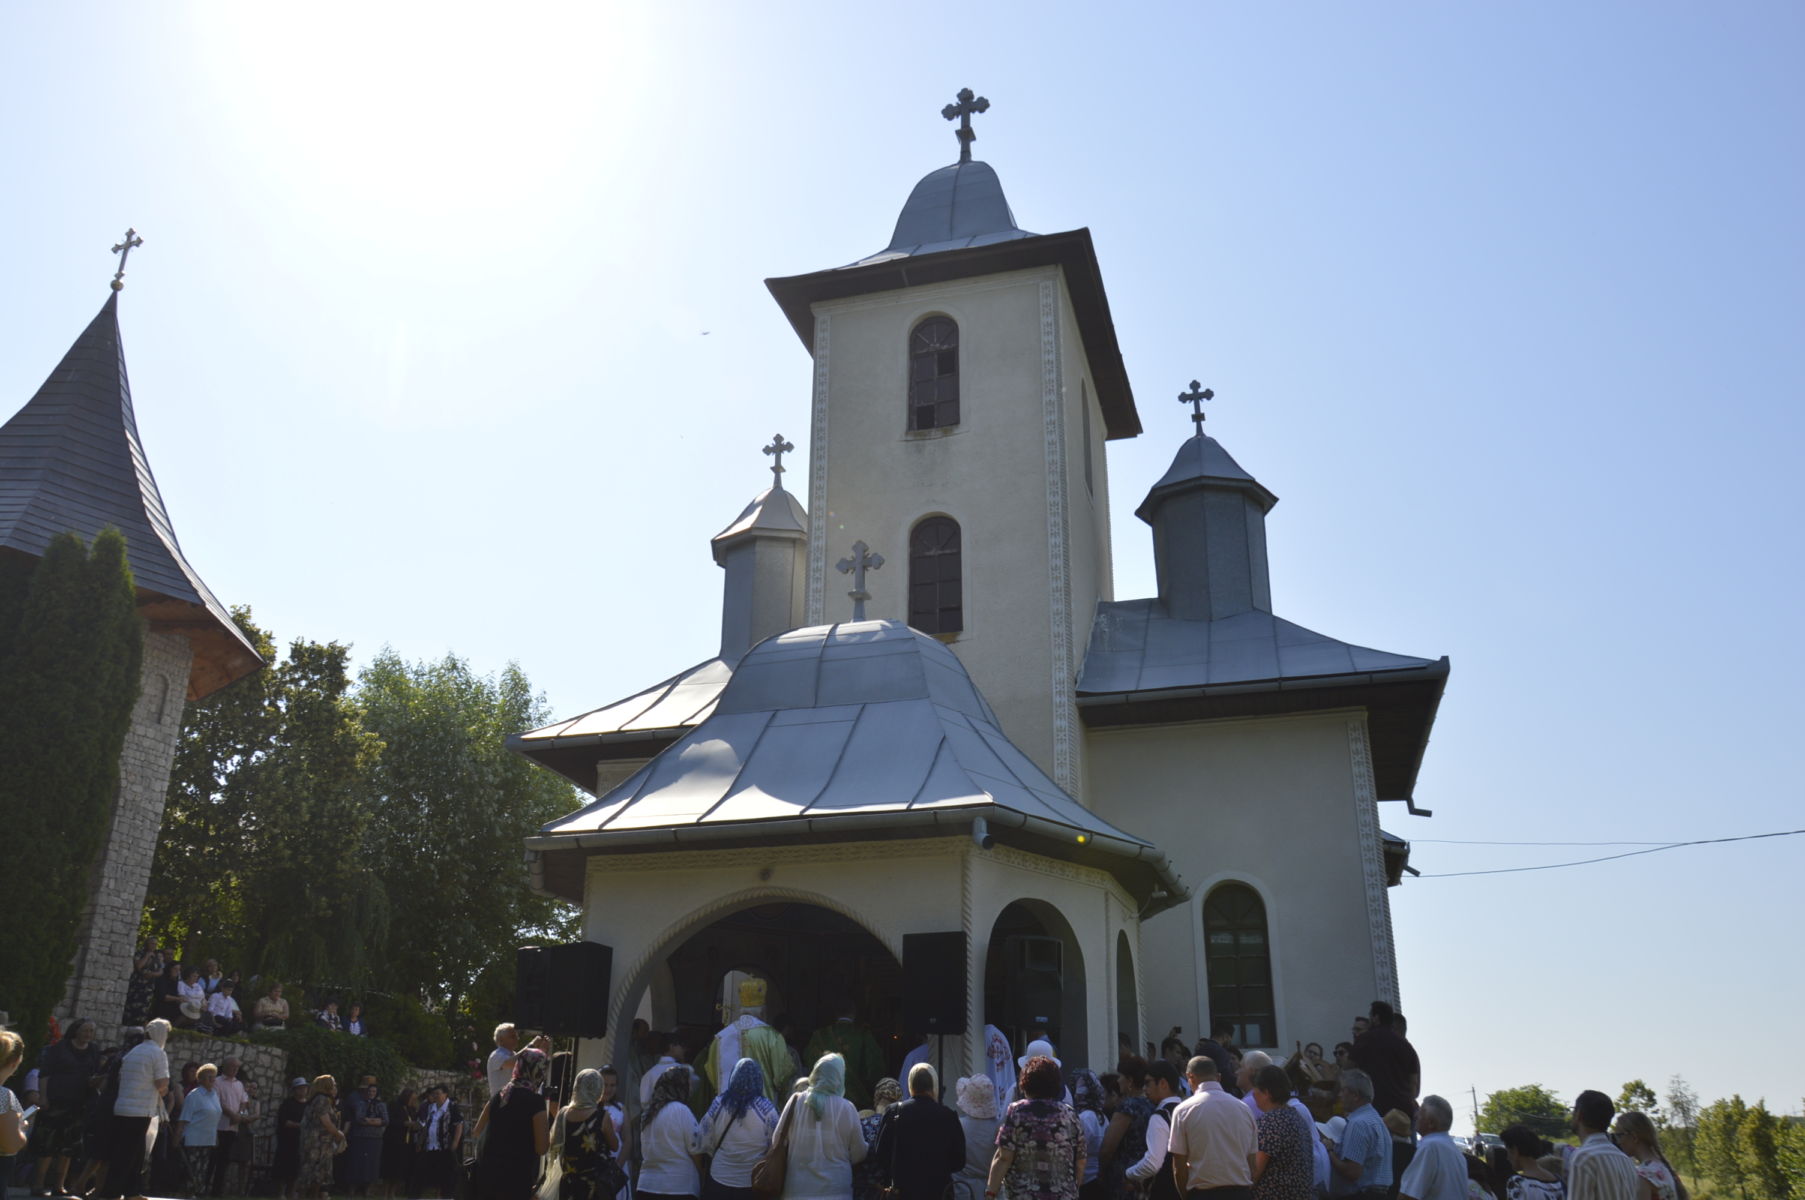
768, 1172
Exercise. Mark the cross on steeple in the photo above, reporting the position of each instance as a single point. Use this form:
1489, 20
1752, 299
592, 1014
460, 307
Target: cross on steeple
123, 250
777, 449
962, 111
862, 560
1195, 398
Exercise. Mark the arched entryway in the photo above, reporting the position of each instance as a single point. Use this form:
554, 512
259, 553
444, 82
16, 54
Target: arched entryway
1034, 980
1128, 1004
815, 960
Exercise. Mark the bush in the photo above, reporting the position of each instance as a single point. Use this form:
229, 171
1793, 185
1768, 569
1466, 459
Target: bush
315, 1050
422, 1038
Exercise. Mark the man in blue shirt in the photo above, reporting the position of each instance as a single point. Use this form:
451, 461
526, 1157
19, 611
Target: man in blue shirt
1362, 1162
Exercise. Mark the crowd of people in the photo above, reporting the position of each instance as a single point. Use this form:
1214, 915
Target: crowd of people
208, 1000
1227, 1124
1221, 1124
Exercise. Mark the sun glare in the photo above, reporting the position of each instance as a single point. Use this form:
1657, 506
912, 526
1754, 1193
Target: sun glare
433, 115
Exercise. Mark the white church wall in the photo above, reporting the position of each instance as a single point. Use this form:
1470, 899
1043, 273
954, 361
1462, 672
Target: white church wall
1095, 907
645, 906
874, 479
1273, 803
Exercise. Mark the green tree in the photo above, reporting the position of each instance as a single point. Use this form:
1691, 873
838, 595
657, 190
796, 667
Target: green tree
1637, 1096
1682, 1118
452, 805
262, 858
1758, 1145
1792, 1154
196, 893
1718, 1143
1532, 1105
71, 643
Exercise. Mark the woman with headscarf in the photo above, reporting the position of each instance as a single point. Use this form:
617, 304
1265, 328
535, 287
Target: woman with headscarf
669, 1142
583, 1146
518, 1130
976, 1100
736, 1131
865, 1182
823, 1138
1087, 1099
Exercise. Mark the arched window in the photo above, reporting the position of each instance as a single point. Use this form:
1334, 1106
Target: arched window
1239, 961
934, 374
936, 602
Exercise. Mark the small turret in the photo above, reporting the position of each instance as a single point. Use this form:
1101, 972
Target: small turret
1209, 531
763, 555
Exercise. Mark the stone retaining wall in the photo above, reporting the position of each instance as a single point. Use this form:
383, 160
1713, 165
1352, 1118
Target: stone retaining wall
264, 1066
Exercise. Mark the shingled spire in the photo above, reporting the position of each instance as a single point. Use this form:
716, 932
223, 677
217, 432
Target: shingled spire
71, 460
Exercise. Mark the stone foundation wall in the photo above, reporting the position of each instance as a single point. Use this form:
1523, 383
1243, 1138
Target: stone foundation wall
262, 1065
109, 927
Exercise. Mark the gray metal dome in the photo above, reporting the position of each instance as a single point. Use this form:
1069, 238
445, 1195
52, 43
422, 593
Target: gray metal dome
950, 209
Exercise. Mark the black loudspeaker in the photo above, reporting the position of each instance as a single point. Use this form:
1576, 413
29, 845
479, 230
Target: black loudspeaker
1035, 988
532, 981
935, 988
576, 1003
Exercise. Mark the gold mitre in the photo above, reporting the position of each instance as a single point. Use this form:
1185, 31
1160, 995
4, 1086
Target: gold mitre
752, 993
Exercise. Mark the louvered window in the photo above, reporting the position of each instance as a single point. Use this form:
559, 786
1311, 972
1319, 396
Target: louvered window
934, 374
936, 597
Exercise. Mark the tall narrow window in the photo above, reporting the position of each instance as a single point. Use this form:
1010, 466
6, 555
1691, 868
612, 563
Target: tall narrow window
936, 603
934, 374
1239, 961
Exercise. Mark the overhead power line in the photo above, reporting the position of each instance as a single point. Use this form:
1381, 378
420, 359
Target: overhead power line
1581, 862
1487, 842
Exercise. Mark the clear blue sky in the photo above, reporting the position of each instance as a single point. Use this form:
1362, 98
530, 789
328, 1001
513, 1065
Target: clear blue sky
449, 333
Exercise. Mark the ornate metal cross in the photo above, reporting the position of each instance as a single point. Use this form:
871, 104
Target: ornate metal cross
1195, 398
123, 250
777, 449
962, 111
862, 560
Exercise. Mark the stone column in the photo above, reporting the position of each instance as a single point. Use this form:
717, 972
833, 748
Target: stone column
109, 925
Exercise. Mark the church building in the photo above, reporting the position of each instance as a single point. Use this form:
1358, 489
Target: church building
1122, 815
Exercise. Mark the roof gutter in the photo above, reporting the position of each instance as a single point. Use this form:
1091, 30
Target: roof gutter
1434, 670
951, 821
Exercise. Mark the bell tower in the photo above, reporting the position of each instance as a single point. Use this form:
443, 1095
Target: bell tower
966, 378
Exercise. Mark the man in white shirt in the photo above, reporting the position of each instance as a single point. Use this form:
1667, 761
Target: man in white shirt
1213, 1139
1597, 1169
501, 1059
143, 1079
676, 1054
228, 1018
1162, 1090
1436, 1171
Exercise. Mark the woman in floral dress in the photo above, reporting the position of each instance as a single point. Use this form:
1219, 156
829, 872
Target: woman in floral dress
321, 1138
1040, 1144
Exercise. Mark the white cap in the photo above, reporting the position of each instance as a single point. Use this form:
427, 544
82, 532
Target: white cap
1038, 1048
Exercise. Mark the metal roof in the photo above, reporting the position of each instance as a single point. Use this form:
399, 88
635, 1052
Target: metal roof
657, 715
772, 511
866, 728
1145, 667
1135, 647
950, 209
71, 461
1202, 460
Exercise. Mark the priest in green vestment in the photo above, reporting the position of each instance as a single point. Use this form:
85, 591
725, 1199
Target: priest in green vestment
853, 1042
747, 1036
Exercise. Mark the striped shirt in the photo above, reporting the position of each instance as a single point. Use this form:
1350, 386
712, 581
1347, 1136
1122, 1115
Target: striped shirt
1597, 1170
139, 1071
